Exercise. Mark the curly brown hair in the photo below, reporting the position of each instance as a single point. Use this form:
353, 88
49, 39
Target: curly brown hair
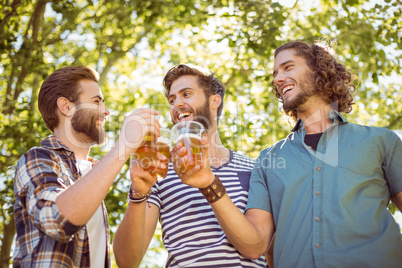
332, 77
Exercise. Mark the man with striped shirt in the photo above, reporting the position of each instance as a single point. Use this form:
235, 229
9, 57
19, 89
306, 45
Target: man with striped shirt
191, 233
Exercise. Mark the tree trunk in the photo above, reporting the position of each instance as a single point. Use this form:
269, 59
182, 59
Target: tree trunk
9, 232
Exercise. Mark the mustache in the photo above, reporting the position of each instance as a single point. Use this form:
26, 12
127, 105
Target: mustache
187, 108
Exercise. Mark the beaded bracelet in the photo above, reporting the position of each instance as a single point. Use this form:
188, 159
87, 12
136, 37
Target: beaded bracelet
142, 198
215, 191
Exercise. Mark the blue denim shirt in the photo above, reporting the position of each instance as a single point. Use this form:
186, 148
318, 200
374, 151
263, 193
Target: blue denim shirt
330, 206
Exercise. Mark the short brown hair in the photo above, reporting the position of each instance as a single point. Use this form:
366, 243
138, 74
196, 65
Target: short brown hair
206, 80
61, 83
332, 77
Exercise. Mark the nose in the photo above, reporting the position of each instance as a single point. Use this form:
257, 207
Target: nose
178, 102
105, 110
279, 78
175, 106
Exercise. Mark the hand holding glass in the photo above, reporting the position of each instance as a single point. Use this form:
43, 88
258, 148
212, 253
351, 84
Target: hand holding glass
163, 144
147, 154
189, 133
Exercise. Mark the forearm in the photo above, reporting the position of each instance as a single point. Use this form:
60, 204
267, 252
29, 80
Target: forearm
397, 200
269, 255
131, 240
79, 201
250, 240
249, 234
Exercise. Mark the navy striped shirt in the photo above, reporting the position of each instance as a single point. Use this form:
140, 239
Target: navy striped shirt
190, 230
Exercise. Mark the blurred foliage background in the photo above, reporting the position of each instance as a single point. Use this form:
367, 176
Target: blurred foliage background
132, 43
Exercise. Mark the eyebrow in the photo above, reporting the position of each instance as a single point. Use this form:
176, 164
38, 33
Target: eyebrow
282, 64
99, 97
180, 91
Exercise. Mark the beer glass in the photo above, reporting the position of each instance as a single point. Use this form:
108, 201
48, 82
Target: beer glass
147, 153
189, 133
163, 144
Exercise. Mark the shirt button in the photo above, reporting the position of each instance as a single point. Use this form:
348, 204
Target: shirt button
318, 168
309, 147
317, 219
317, 193
317, 245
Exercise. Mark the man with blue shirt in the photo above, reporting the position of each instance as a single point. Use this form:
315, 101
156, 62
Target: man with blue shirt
327, 201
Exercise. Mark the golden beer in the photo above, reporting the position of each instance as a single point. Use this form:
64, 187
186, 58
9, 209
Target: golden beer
163, 148
192, 142
147, 154
189, 134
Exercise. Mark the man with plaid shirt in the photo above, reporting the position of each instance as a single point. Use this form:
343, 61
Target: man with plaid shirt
60, 216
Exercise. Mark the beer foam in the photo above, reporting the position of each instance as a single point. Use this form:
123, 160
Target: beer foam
188, 135
163, 140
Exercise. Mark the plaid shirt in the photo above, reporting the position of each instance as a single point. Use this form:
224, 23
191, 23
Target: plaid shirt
44, 237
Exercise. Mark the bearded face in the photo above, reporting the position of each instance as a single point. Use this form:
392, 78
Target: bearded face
201, 114
85, 123
188, 102
307, 88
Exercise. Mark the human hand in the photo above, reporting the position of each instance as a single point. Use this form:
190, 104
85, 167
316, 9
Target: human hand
200, 176
143, 178
136, 125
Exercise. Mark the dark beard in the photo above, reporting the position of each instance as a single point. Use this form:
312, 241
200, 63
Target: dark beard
301, 99
203, 116
307, 89
84, 123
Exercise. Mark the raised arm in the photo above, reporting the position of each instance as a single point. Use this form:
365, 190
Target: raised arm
250, 233
138, 225
135, 233
79, 202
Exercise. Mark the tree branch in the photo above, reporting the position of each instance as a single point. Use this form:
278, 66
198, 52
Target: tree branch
9, 14
37, 18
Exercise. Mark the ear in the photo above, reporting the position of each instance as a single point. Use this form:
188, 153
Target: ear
65, 106
215, 101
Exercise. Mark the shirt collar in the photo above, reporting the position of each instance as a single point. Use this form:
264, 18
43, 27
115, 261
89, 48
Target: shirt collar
336, 116
53, 143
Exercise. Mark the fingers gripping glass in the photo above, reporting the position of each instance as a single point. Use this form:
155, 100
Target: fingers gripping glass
147, 154
189, 133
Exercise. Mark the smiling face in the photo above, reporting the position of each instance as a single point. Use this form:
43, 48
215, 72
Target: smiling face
188, 102
294, 80
90, 114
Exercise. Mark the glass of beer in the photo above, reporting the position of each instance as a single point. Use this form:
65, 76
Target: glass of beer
163, 144
147, 153
189, 133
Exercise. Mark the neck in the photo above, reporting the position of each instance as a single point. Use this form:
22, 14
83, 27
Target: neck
218, 154
316, 118
80, 149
